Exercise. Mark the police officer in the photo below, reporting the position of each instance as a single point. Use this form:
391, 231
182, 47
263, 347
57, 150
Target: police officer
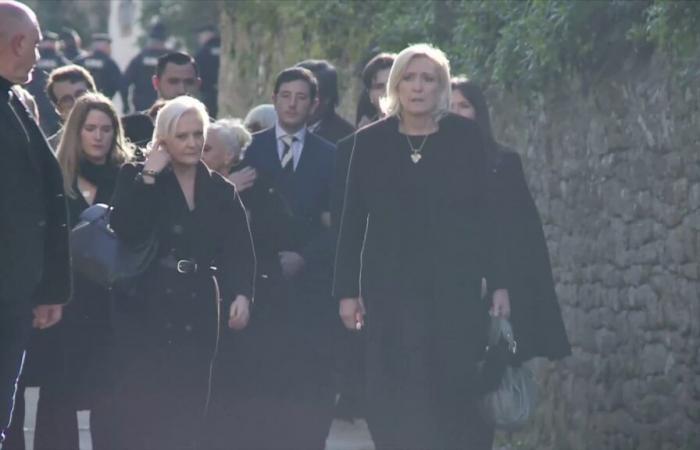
142, 68
72, 44
207, 58
104, 70
50, 58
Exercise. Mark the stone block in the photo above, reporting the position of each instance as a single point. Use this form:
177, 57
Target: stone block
654, 358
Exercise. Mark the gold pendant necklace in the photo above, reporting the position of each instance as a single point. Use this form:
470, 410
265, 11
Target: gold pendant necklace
416, 152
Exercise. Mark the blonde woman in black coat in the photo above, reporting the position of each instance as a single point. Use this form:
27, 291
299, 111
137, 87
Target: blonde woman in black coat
168, 324
414, 230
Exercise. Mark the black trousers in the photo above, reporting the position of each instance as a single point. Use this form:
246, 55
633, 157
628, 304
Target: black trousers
15, 326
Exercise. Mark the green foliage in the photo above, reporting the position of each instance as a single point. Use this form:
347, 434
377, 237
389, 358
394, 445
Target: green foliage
181, 17
528, 43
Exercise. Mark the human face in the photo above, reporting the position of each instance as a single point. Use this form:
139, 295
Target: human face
66, 92
217, 156
419, 87
187, 141
177, 80
378, 88
26, 49
293, 104
461, 105
97, 136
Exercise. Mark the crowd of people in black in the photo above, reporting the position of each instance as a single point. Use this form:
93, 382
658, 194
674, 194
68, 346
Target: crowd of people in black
299, 258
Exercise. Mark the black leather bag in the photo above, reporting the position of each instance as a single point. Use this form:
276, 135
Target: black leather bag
100, 256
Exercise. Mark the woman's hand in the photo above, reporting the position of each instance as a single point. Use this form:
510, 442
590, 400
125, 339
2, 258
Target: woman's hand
500, 304
244, 178
352, 313
239, 313
157, 159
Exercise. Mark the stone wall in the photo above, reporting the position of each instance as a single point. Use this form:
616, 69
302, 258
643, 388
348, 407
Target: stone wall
615, 173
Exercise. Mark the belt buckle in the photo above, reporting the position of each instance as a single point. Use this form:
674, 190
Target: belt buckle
186, 266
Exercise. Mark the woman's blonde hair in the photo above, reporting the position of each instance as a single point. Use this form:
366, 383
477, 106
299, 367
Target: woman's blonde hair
390, 104
70, 149
169, 115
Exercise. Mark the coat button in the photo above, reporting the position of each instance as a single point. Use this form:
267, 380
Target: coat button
188, 328
41, 223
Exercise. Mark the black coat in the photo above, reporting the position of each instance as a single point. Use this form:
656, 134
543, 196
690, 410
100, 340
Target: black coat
166, 325
35, 266
106, 73
535, 314
333, 128
426, 321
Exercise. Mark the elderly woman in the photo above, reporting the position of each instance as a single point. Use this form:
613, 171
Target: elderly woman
168, 324
414, 230
260, 118
69, 361
226, 142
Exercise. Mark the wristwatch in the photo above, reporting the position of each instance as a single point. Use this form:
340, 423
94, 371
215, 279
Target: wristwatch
147, 173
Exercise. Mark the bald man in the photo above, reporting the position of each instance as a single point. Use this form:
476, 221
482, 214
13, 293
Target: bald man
34, 265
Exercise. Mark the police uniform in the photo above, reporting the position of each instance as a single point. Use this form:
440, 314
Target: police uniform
105, 71
207, 59
49, 60
139, 73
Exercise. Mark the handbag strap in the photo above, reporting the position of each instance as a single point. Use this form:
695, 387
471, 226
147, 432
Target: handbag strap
501, 329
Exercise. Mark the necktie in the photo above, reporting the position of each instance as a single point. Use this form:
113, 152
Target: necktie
287, 154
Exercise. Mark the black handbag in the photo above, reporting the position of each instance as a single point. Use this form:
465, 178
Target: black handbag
100, 256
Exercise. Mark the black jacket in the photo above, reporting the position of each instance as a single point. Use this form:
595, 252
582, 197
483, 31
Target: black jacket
333, 128
215, 233
35, 264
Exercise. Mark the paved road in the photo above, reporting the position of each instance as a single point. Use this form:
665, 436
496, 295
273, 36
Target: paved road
343, 435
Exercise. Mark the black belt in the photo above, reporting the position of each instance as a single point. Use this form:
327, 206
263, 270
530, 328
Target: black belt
184, 266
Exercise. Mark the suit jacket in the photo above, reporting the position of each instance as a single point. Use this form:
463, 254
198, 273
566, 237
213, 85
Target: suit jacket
35, 265
305, 195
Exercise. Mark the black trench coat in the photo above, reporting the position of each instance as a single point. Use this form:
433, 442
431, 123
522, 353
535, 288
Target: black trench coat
426, 401
166, 325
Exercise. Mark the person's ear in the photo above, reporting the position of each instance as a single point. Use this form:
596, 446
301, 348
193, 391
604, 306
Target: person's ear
156, 83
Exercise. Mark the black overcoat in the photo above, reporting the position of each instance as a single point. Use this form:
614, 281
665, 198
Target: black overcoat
535, 313
461, 249
166, 325
35, 266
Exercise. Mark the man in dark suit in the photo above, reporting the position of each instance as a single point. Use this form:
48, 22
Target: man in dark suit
324, 121
294, 318
35, 268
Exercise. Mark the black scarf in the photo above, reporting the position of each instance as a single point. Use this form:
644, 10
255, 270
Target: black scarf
103, 176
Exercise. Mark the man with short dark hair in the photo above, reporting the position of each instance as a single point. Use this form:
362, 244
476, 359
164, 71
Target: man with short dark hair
35, 276
289, 210
64, 86
325, 121
176, 74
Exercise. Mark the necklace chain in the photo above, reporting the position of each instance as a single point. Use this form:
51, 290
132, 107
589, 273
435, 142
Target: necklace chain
416, 152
